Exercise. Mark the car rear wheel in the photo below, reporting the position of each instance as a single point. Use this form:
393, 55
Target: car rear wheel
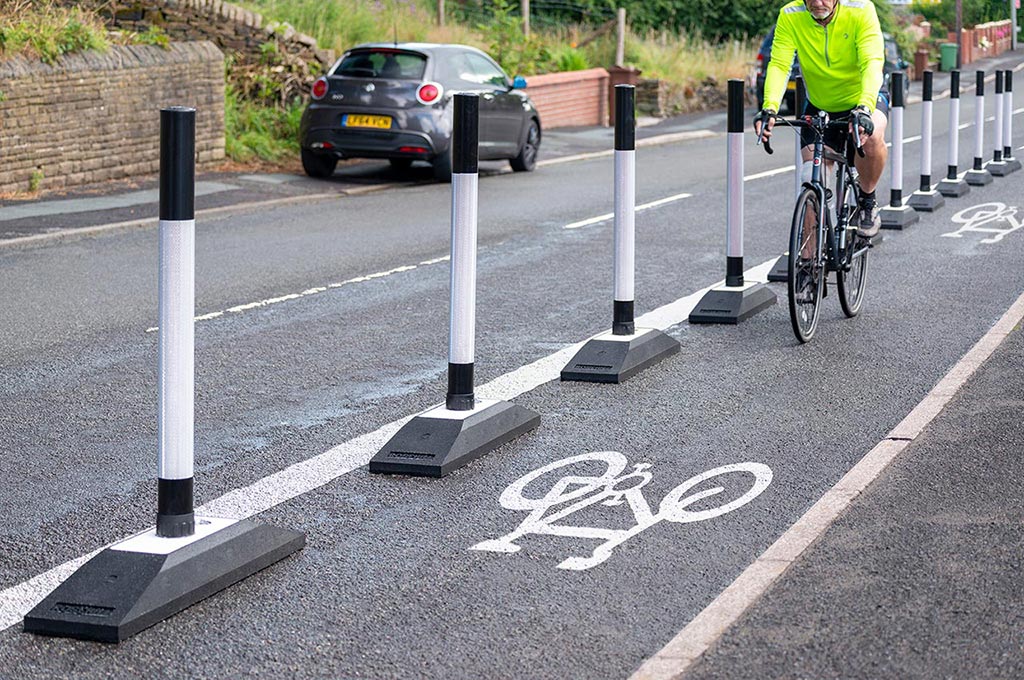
443, 166
527, 158
320, 166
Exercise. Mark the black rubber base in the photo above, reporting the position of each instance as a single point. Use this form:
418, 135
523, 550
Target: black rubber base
732, 305
615, 361
978, 178
780, 270
116, 594
953, 188
926, 201
433, 447
999, 168
898, 218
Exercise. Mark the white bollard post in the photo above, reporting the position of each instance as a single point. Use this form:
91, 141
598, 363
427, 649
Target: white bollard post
445, 438
1012, 164
926, 199
153, 575
736, 300
616, 356
978, 175
954, 186
897, 215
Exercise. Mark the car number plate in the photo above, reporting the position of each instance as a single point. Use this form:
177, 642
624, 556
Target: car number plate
381, 122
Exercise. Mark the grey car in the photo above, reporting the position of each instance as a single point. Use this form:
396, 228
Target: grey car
394, 101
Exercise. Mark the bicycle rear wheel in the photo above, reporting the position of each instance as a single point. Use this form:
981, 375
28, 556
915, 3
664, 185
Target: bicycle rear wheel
806, 275
851, 283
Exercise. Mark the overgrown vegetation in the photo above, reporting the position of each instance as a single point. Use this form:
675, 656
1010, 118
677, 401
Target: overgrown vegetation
46, 31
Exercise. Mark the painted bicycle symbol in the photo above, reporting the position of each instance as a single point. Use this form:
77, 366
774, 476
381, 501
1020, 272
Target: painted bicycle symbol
987, 218
574, 493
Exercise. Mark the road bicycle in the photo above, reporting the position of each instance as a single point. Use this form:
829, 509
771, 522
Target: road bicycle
823, 241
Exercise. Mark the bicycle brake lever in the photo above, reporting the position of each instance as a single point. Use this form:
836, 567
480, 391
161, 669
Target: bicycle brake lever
856, 139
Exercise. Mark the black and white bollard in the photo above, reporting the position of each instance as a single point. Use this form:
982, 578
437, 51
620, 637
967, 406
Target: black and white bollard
736, 300
153, 575
926, 199
625, 351
780, 270
446, 437
897, 215
1012, 164
978, 176
998, 167
954, 186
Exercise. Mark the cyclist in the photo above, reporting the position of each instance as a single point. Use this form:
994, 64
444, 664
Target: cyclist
841, 52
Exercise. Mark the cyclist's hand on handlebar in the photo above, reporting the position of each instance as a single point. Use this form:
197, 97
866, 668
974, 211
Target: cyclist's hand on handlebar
862, 117
764, 121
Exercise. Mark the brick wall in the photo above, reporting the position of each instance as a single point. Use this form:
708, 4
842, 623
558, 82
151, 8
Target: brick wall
92, 117
570, 98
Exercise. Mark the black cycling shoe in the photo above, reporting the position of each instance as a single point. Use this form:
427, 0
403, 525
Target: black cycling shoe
867, 220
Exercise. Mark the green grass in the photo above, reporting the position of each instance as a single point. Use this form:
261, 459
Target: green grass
253, 131
45, 31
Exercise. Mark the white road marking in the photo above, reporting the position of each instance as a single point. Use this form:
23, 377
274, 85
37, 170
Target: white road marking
708, 626
639, 208
976, 217
310, 474
612, 488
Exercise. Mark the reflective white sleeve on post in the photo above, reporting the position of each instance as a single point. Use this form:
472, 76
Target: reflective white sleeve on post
897, 148
177, 348
625, 224
998, 131
926, 138
1008, 121
463, 269
954, 132
979, 127
734, 196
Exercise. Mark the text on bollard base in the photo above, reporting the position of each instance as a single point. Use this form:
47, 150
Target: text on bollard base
440, 440
612, 358
732, 305
139, 582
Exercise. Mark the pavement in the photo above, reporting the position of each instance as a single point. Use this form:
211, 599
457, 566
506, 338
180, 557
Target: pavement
887, 543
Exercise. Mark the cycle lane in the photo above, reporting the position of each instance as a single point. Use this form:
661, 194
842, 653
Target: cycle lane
380, 601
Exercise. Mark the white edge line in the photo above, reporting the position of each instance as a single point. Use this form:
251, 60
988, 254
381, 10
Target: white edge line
310, 474
711, 623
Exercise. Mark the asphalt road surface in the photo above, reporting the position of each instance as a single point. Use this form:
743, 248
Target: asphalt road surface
326, 324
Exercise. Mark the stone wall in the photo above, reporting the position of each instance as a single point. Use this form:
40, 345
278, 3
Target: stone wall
92, 117
570, 98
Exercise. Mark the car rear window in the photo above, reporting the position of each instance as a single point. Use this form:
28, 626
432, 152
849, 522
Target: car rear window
382, 64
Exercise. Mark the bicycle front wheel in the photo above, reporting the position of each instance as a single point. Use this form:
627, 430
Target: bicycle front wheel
851, 283
806, 275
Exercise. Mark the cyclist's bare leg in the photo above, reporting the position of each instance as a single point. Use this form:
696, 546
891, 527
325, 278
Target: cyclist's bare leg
871, 166
810, 245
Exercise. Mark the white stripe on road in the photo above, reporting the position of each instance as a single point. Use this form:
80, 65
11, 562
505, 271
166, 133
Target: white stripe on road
708, 626
310, 291
639, 208
300, 478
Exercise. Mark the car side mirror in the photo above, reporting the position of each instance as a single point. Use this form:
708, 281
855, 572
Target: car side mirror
519, 83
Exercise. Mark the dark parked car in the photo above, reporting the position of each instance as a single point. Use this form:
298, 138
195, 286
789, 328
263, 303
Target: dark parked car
893, 62
394, 101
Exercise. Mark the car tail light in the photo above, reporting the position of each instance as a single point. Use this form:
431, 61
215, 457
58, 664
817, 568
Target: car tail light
319, 88
412, 149
760, 63
429, 93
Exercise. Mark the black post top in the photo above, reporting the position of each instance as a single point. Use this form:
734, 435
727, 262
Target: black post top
896, 85
625, 118
735, 105
979, 77
177, 163
466, 133
954, 84
926, 94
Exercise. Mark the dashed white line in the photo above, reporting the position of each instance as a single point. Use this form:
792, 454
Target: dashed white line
640, 208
